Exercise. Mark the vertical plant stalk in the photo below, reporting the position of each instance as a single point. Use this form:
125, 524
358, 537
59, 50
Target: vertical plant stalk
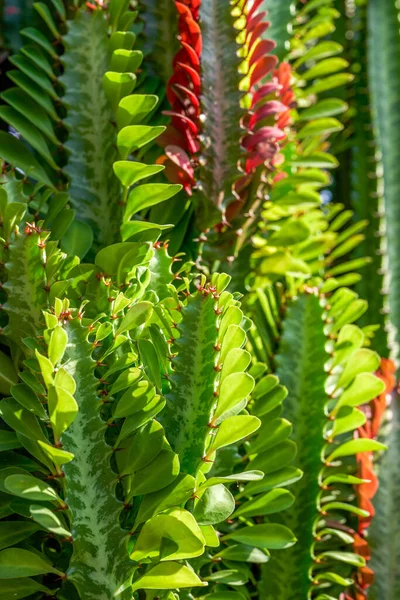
91, 133
367, 192
322, 378
367, 471
218, 80
302, 372
384, 74
99, 564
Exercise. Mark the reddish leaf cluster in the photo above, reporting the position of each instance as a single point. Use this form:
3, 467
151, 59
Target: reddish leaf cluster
283, 74
262, 133
181, 139
263, 123
262, 137
366, 491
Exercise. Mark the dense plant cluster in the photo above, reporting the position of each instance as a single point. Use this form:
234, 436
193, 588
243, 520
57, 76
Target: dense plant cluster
199, 300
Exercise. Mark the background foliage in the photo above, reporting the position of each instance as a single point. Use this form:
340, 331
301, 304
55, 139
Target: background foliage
199, 324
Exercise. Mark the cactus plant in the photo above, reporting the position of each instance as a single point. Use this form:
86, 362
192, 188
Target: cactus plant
189, 408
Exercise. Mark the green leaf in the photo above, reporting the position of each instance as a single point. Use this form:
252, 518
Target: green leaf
147, 195
363, 360
46, 368
57, 456
78, 239
267, 504
149, 357
136, 398
234, 338
236, 360
215, 505
130, 172
270, 434
229, 576
321, 160
158, 474
274, 458
137, 452
365, 387
354, 447
14, 152
121, 40
329, 83
291, 233
133, 229
325, 67
126, 61
225, 596
232, 316
39, 79
348, 419
242, 553
48, 519
282, 263
324, 108
57, 344
64, 380
281, 477
210, 536
133, 109
28, 399
176, 525
347, 557
117, 8
8, 375
33, 90
166, 576
324, 126
127, 378
8, 441
136, 316
117, 86
235, 477
349, 339
334, 506
133, 137
30, 488
44, 12
234, 388
334, 578
174, 494
39, 59
20, 419
21, 588
13, 532
16, 562
141, 417
60, 8
29, 132
232, 430
269, 535
63, 409
321, 50
24, 104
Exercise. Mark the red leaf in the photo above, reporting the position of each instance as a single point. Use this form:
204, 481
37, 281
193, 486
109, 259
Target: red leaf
260, 49
264, 91
272, 107
262, 68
